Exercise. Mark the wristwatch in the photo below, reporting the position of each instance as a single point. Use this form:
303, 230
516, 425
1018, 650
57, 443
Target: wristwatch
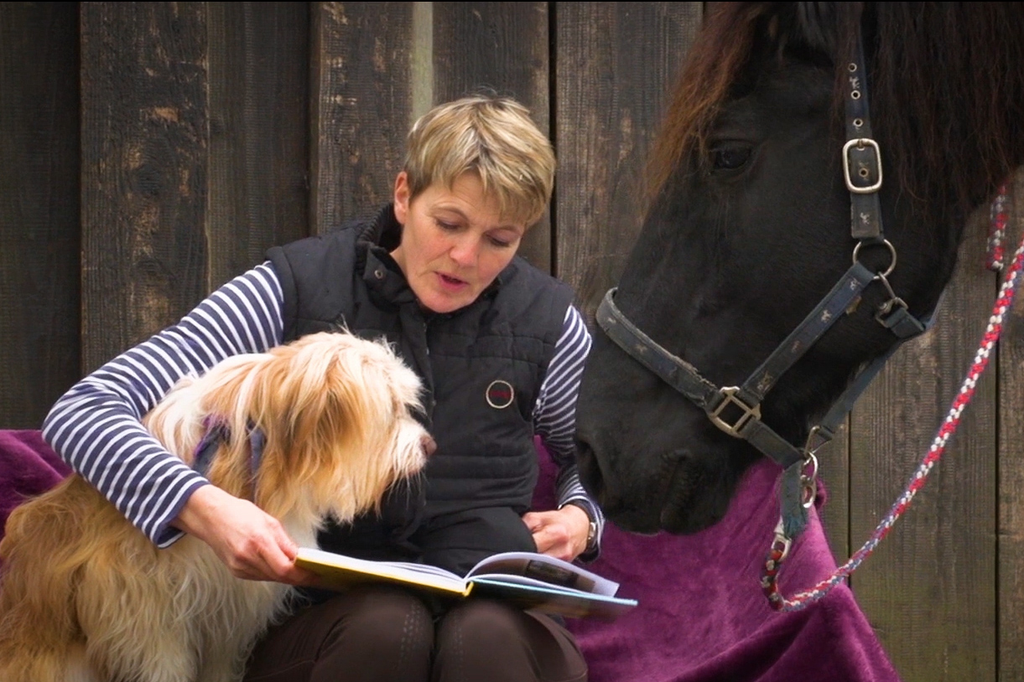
591, 536
591, 527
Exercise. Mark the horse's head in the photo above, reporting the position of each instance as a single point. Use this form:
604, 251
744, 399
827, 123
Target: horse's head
749, 228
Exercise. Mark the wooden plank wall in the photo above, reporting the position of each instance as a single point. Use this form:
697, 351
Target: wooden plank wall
1010, 476
150, 151
40, 326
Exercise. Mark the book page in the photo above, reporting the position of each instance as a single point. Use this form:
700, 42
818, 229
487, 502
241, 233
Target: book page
511, 579
340, 569
550, 599
544, 569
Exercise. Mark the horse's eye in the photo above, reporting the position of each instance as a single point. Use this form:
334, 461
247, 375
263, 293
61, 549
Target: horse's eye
729, 158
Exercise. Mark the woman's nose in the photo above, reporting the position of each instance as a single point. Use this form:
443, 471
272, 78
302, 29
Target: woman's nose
465, 251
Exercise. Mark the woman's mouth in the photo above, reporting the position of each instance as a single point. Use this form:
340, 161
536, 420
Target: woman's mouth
451, 283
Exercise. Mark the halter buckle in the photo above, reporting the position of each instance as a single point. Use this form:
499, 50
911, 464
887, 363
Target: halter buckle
746, 412
868, 170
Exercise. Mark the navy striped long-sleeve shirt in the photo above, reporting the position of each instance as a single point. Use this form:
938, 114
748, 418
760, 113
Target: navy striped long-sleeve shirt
96, 425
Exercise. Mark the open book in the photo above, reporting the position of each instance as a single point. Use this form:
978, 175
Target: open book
527, 579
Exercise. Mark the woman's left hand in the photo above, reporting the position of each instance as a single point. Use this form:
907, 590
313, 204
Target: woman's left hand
561, 533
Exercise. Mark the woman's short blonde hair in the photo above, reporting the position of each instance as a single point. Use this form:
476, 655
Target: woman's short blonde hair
493, 137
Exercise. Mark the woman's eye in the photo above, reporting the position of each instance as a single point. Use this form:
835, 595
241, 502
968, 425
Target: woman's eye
446, 226
500, 243
729, 158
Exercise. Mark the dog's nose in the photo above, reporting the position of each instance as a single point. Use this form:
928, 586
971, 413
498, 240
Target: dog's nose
429, 446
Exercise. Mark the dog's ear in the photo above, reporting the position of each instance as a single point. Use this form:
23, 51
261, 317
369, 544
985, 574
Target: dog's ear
221, 398
310, 402
313, 405
334, 410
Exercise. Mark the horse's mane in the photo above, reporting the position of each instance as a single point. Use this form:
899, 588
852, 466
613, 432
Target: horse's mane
946, 87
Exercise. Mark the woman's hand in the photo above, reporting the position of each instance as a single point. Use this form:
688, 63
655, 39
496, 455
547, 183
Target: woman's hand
561, 533
250, 542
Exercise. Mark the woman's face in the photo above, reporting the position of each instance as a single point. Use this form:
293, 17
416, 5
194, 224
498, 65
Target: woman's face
454, 242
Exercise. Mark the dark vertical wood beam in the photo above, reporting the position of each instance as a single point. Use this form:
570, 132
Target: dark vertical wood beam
39, 208
259, 131
500, 47
1011, 466
144, 170
361, 102
615, 64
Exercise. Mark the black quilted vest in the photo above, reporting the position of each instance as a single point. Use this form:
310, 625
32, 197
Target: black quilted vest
481, 366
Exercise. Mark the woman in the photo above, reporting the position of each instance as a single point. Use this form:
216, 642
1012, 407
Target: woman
500, 350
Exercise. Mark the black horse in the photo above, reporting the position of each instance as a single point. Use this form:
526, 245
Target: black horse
749, 228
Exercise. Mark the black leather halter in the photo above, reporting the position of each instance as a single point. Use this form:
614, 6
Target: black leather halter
736, 410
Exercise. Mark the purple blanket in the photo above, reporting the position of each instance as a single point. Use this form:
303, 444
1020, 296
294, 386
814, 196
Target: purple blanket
702, 616
27, 467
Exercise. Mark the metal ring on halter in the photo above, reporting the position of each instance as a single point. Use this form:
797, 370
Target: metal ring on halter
817, 431
892, 250
811, 461
893, 302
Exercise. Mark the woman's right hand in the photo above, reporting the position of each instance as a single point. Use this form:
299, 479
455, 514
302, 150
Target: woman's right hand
250, 542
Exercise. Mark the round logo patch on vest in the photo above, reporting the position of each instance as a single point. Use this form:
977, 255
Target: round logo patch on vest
500, 394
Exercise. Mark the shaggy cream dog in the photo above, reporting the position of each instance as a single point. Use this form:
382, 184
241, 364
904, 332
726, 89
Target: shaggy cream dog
86, 597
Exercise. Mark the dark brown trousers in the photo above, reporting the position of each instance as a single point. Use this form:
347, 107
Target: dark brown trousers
380, 634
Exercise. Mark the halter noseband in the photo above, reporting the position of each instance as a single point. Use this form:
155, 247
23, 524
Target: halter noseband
736, 410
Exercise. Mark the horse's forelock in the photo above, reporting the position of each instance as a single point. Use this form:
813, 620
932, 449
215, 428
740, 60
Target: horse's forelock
818, 24
712, 64
715, 61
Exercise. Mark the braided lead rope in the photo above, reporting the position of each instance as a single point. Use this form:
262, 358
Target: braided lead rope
997, 228
780, 546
